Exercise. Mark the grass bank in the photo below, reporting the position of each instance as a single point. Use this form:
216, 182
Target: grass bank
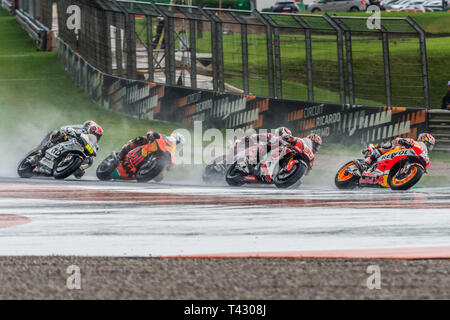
37, 95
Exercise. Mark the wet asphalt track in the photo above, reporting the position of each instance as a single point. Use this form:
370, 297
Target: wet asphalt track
91, 218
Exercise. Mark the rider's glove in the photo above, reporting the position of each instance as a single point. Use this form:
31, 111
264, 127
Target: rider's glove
404, 142
70, 132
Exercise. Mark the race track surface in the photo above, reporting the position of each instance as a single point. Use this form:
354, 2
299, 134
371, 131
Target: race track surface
92, 218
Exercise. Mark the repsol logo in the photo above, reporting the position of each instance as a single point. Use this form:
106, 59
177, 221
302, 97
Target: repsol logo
313, 111
394, 154
328, 119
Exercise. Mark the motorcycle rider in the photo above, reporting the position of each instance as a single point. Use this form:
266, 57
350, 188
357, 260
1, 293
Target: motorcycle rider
309, 145
374, 151
58, 136
132, 161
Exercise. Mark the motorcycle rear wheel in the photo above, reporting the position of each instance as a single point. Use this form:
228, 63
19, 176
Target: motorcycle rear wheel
68, 169
413, 176
25, 169
106, 168
344, 180
234, 179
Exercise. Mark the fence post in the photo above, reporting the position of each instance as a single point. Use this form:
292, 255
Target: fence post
169, 46
244, 47
217, 51
270, 73
309, 62
119, 58
107, 49
349, 56
149, 22
131, 45
387, 65
424, 60
193, 52
340, 54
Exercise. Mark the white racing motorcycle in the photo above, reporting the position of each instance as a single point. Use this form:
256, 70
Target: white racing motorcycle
71, 156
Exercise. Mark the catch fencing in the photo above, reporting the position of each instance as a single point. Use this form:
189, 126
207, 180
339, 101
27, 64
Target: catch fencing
305, 57
336, 123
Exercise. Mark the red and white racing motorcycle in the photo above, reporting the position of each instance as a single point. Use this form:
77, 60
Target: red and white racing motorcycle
283, 166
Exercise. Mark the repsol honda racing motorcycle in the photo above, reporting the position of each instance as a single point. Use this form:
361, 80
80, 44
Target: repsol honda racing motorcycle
283, 166
398, 169
72, 155
143, 163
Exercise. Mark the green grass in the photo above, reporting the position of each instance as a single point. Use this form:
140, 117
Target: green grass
37, 95
431, 22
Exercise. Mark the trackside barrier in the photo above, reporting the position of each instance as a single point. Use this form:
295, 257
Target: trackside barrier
337, 123
34, 28
9, 6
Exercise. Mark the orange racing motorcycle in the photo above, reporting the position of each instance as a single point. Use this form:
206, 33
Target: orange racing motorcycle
143, 163
398, 169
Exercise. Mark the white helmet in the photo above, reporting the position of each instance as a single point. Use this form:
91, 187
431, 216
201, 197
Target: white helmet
179, 140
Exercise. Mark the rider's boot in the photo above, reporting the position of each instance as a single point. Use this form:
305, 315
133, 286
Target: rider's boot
361, 166
41, 170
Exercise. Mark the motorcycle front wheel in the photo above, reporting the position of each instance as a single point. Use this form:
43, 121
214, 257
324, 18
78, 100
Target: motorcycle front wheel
150, 170
66, 165
291, 178
399, 181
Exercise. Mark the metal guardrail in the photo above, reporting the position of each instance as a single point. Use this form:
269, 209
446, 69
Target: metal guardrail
439, 127
35, 30
8, 5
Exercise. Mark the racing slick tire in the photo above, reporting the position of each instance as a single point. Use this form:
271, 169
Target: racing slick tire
106, 168
299, 170
150, 170
25, 169
345, 180
66, 169
234, 180
413, 176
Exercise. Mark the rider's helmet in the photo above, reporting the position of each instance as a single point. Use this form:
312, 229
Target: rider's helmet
316, 141
428, 140
179, 140
91, 127
150, 135
283, 131
285, 134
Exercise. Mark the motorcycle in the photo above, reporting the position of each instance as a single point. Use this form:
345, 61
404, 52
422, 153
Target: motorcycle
152, 169
398, 169
283, 166
216, 170
61, 160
